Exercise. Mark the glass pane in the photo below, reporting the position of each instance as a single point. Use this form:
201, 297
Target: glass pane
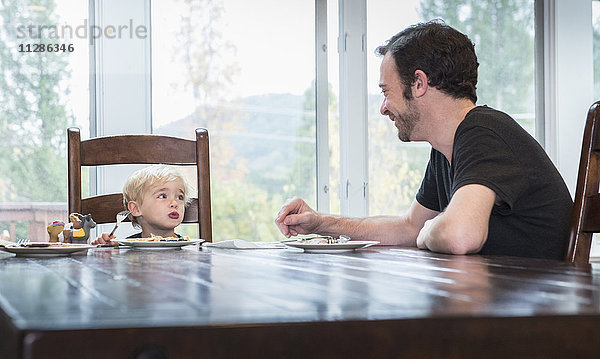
503, 34
245, 70
44, 76
596, 53
596, 32
333, 74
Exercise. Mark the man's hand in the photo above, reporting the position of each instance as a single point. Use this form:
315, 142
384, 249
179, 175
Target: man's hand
296, 217
424, 233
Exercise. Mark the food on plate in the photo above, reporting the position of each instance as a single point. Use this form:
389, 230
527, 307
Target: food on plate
39, 244
155, 238
325, 240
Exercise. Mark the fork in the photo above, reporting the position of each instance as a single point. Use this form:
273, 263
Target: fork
120, 217
22, 242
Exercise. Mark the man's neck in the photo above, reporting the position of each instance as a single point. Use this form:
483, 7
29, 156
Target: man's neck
444, 116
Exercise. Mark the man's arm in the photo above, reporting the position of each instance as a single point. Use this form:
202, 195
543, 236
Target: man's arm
296, 217
463, 226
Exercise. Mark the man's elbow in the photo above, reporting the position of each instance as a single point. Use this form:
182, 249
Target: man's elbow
461, 240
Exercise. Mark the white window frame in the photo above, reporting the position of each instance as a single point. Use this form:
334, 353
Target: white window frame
121, 71
354, 147
568, 80
322, 104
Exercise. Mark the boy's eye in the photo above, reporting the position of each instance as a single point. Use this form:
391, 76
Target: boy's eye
180, 197
162, 195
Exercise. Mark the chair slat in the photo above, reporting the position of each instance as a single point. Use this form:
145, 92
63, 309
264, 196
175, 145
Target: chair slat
103, 208
130, 149
591, 213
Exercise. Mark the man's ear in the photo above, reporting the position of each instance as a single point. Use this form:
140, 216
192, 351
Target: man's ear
421, 84
134, 208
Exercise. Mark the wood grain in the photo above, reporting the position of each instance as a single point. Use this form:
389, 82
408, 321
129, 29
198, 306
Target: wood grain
377, 302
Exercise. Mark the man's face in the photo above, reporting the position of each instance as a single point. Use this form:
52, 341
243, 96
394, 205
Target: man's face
400, 110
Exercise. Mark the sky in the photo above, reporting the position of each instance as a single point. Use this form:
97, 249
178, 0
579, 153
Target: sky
275, 47
274, 43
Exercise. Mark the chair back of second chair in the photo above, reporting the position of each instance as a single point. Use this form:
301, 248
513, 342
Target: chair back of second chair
139, 149
585, 220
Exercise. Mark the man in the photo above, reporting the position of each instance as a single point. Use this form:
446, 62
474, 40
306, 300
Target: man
489, 187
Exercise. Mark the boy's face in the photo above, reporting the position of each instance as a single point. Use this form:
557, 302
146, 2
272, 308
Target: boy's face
161, 209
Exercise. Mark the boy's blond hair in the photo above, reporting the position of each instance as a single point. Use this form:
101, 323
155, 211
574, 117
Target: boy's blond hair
139, 181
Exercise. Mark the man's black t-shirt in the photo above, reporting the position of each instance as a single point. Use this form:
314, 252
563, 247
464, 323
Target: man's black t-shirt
491, 149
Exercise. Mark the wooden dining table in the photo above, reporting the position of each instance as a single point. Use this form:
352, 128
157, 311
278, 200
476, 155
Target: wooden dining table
376, 302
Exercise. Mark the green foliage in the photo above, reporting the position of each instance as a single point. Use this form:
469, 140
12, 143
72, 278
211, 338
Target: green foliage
303, 174
395, 168
21, 229
503, 34
243, 210
33, 117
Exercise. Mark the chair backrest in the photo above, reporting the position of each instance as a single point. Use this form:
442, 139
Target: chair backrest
585, 219
139, 149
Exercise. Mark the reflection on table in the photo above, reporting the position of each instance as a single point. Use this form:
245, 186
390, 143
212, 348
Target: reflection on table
384, 301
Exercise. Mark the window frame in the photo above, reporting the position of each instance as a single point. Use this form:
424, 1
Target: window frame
322, 104
565, 82
118, 70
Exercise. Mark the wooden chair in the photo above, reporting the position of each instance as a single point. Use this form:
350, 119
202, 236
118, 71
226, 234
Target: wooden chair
585, 219
139, 149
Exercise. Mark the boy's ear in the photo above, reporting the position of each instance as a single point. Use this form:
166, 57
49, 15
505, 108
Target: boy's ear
134, 208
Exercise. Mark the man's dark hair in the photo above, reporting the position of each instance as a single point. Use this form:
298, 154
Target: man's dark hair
446, 55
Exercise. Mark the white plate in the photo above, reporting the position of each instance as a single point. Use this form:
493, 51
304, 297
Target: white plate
242, 244
54, 250
331, 248
140, 243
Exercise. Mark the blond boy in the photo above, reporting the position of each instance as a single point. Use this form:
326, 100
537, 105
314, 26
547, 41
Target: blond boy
156, 196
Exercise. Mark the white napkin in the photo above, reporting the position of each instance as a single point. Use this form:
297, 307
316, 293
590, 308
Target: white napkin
242, 244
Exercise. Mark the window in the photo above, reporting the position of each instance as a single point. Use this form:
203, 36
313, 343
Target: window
504, 39
258, 101
249, 77
44, 67
596, 58
596, 34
